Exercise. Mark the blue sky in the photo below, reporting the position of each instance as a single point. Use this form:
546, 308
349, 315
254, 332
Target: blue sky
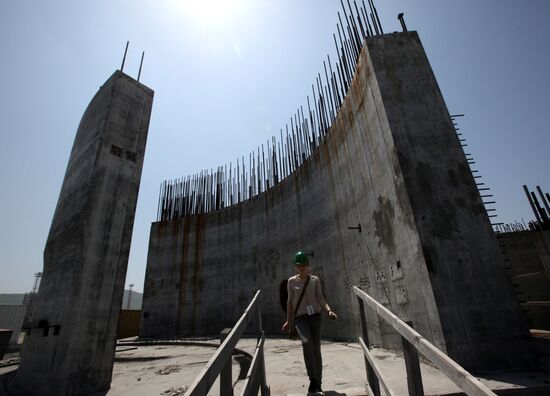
227, 75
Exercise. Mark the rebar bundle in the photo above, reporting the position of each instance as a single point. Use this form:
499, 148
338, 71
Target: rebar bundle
270, 163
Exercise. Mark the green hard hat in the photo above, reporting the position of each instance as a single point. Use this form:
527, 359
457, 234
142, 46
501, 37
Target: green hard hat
301, 258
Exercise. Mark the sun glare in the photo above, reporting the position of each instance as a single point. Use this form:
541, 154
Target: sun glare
213, 14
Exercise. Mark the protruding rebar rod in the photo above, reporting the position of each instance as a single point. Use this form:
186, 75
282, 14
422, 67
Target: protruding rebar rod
320, 112
210, 189
527, 193
377, 17
311, 122
334, 85
332, 101
373, 19
344, 40
542, 212
363, 30
544, 200
140, 65
366, 19
347, 24
124, 57
402, 20
344, 55
354, 28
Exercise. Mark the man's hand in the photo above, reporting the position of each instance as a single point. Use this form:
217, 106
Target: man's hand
332, 315
285, 327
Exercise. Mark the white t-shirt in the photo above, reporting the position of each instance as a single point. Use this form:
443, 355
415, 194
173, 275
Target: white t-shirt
313, 295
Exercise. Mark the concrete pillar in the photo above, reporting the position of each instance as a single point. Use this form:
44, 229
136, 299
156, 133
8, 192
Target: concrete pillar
482, 323
71, 339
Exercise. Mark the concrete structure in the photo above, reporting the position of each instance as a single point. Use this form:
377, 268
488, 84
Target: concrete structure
5, 336
71, 341
11, 317
393, 164
527, 258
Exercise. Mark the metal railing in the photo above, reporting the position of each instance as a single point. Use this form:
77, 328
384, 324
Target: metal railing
220, 362
413, 343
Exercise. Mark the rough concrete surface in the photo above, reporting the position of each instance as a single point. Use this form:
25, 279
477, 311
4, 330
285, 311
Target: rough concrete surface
169, 370
526, 255
391, 162
71, 337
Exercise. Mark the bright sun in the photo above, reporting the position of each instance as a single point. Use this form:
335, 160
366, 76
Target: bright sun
212, 13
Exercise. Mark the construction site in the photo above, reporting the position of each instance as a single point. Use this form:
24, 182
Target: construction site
370, 178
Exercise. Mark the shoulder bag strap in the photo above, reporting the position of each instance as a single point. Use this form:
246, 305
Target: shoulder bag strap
300, 299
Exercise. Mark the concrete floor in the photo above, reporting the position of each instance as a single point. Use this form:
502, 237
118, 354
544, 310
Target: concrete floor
168, 370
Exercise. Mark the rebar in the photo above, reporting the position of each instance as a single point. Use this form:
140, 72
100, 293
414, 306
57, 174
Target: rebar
210, 190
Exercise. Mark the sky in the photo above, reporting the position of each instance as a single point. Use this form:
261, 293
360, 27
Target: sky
227, 74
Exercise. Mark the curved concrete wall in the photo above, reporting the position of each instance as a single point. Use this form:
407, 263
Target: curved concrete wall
392, 163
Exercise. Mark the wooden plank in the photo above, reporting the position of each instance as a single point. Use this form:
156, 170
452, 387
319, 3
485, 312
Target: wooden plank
456, 373
252, 381
453, 370
381, 379
208, 375
226, 375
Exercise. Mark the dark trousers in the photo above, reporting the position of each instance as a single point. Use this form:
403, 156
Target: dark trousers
309, 330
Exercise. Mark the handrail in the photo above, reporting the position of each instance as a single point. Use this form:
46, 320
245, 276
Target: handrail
389, 391
253, 382
456, 373
220, 362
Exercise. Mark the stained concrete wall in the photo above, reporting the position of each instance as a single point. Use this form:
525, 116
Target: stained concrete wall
391, 162
70, 345
525, 255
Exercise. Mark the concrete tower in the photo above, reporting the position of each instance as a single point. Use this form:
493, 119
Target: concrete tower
71, 339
